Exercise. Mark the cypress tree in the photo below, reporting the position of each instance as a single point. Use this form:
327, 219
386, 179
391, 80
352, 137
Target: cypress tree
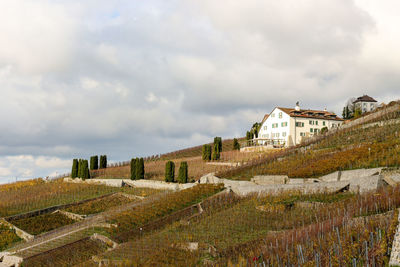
204, 152
183, 173
80, 168
85, 170
170, 171
103, 161
217, 148
74, 171
236, 145
94, 163
133, 169
140, 168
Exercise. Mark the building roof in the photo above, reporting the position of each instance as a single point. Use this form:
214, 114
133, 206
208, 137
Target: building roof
365, 98
265, 118
312, 114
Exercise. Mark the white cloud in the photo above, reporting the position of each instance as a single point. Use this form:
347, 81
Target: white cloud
122, 78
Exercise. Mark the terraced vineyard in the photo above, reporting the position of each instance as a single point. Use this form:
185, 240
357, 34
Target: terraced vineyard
42, 223
99, 205
7, 237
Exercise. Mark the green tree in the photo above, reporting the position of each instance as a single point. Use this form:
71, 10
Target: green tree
139, 168
74, 171
103, 161
85, 170
94, 163
206, 152
324, 130
170, 171
183, 173
80, 168
236, 145
133, 169
216, 153
218, 141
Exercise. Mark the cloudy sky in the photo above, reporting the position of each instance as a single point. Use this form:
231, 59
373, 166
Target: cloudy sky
136, 78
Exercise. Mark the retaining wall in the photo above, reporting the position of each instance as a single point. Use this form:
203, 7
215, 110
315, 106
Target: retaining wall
351, 174
270, 179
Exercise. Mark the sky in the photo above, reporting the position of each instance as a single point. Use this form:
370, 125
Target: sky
137, 78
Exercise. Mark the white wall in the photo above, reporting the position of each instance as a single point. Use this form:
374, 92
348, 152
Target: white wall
366, 106
278, 117
291, 134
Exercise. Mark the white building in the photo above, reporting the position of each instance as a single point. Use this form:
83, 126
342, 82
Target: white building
365, 103
288, 126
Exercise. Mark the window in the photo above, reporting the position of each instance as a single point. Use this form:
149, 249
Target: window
267, 136
284, 124
316, 122
273, 115
311, 130
280, 115
275, 125
311, 122
272, 135
265, 128
323, 123
284, 134
277, 134
302, 134
299, 124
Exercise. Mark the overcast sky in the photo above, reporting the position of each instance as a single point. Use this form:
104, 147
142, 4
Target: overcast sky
136, 78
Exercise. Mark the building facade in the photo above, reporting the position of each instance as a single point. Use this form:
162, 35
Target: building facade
288, 126
365, 103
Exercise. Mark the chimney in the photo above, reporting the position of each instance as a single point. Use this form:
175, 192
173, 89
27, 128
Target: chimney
297, 108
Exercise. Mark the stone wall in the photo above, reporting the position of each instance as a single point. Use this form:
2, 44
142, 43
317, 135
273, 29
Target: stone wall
351, 174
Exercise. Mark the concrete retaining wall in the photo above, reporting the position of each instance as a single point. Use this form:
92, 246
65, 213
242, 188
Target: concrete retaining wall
332, 177
135, 183
303, 181
365, 184
395, 254
351, 174
270, 179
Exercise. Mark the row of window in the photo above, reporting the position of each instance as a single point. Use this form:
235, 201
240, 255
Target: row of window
275, 125
273, 135
279, 115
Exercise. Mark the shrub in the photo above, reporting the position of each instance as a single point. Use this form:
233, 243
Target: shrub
94, 163
133, 169
139, 168
183, 173
169, 171
103, 161
236, 145
74, 171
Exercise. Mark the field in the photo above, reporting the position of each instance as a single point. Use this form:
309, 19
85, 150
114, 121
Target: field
99, 205
7, 237
42, 223
236, 230
38, 194
68, 255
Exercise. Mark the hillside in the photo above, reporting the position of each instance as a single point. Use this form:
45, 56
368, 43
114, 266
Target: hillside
77, 223
363, 144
